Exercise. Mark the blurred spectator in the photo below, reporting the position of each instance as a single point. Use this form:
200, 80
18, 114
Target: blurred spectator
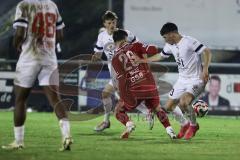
212, 97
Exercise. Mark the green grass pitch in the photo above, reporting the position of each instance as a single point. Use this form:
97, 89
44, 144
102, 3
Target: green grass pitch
217, 139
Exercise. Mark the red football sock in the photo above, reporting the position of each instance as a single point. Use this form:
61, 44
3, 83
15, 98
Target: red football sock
122, 117
163, 118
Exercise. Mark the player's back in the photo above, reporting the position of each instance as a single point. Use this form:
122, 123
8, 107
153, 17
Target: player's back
41, 18
138, 75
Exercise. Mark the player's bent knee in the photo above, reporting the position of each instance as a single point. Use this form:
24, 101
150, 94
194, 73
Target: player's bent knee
170, 105
157, 109
119, 107
169, 108
183, 104
105, 94
186, 100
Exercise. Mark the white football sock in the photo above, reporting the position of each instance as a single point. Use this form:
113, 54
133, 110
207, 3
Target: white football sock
107, 103
19, 134
65, 127
107, 117
178, 115
169, 129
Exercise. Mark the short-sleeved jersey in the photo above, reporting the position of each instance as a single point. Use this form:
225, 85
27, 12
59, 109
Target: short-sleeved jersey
187, 53
129, 76
41, 18
105, 44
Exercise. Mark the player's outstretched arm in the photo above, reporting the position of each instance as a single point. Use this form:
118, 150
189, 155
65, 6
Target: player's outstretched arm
149, 50
207, 55
154, 58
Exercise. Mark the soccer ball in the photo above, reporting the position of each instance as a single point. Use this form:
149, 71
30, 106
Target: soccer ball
200, 107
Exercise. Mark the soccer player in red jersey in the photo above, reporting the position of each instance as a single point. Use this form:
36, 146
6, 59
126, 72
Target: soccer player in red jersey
135, 82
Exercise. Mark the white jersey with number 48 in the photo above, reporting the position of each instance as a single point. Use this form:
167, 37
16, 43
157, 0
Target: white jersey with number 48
41, 18
187, 53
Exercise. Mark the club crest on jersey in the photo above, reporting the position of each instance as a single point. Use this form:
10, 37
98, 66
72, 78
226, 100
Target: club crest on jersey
109, 47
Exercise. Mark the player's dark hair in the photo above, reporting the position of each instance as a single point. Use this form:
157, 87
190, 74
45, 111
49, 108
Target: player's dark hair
119, 35
168, 27
215, 77
109, 15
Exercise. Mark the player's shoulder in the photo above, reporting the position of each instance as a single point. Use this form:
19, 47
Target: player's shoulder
52, 3
116, 55
168, 46
103, 34
34, 2
22, 3
128, 32
189, 39
138, 44
122, 49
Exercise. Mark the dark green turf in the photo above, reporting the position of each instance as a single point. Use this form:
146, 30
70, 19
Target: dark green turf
217, 139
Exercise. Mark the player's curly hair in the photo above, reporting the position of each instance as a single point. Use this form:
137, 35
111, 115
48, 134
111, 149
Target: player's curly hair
168, 27
109, 15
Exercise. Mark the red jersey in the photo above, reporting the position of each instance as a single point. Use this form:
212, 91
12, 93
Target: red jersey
133, 80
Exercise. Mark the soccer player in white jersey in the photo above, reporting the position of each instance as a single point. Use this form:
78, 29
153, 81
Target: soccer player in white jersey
193, 76
105, 44
38, 25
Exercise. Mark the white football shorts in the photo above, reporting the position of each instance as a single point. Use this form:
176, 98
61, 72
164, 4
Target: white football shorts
110, 82
191, 85
28, 72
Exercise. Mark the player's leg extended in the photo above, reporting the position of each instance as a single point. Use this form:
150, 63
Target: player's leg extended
171, 106
121, 115
21, 95
61, 113
185, 103
163, 118
154, 105
148, 113
26, 73
107, 104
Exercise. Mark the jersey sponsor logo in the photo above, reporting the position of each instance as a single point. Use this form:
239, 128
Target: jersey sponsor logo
137, 77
